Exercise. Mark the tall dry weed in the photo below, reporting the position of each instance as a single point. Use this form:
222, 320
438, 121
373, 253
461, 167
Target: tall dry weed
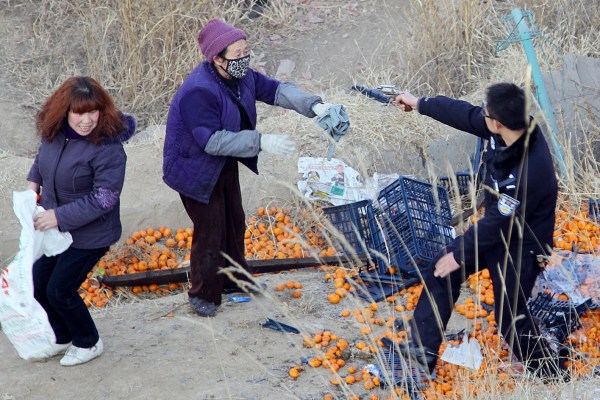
140, 50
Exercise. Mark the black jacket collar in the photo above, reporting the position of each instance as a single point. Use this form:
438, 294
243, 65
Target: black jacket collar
507, 158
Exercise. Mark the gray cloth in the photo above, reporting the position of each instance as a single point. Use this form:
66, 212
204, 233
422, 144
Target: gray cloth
336, 122
242, 144
291, 97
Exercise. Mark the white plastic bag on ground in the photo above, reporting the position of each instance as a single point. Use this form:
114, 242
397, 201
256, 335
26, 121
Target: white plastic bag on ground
23, 319
467, 354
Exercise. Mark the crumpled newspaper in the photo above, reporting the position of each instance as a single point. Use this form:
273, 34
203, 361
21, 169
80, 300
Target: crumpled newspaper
337, 183
330, 180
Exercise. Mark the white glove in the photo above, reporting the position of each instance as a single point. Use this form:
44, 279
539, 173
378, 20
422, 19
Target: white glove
280, 145
321, 108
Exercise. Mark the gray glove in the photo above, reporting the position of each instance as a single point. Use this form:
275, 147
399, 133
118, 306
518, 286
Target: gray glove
321, 108
280, 145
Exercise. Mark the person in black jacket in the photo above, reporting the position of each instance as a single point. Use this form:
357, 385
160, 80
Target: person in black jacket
511, 240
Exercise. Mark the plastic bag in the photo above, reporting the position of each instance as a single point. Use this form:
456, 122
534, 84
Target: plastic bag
573, 274
467, 354
23, 319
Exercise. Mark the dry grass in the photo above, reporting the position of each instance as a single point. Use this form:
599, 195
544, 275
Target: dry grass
139, 50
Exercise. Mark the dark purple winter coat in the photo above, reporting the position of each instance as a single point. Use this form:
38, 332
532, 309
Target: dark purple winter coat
82, 182
187, 168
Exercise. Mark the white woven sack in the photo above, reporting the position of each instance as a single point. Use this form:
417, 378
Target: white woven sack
23, 319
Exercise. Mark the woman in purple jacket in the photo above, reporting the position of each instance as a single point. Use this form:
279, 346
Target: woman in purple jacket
79, 170
210, 127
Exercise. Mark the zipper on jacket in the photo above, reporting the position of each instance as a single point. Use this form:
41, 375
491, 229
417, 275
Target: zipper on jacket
56, 167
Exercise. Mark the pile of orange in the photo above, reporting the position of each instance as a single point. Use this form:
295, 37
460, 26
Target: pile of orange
274, 234
481, 283
576, 230
453, 381
145, 250
586, 342
342, 278
333, 355
271, 234
98, 297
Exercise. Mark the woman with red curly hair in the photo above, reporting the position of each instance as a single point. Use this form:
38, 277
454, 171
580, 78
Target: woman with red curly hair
79, 171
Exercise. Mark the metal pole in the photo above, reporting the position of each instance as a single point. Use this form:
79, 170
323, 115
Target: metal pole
542, 95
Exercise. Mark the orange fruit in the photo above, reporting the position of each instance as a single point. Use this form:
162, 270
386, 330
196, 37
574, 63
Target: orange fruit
294, 373
314, 362
333, 298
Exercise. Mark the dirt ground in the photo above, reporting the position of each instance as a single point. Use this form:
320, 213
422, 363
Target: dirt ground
158, 348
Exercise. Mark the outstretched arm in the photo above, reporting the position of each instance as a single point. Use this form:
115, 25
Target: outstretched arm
455, 113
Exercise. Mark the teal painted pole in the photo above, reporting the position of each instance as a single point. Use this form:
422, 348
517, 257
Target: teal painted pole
542, 95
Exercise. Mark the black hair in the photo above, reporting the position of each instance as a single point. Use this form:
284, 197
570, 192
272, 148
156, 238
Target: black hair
505, 102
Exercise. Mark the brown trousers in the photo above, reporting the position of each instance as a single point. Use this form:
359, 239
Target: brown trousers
219, 226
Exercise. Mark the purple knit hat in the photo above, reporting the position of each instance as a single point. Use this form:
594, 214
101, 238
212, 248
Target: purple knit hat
216, 36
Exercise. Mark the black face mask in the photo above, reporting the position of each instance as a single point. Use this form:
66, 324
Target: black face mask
238, 68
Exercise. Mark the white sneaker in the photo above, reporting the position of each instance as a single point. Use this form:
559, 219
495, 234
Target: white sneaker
57, 349
77, 355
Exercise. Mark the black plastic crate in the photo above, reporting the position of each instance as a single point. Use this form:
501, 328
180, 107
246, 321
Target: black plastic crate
402, 373
415, 220
353, 221
463, 179
557, 318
